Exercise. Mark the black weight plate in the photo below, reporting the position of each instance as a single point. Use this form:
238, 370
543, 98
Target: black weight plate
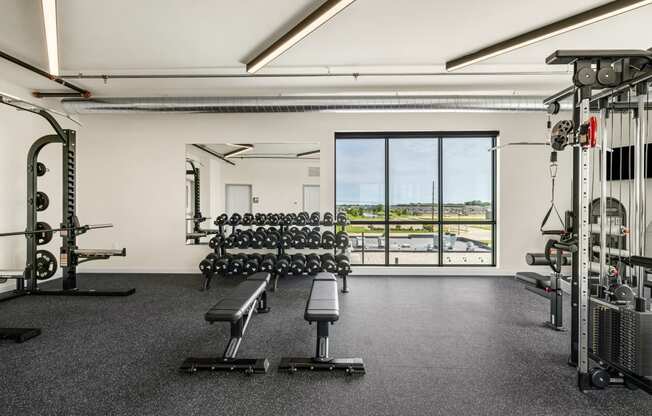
40, 169
42, 201
45, 233
46, 265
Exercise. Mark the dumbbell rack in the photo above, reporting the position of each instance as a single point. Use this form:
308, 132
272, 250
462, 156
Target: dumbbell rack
221, 251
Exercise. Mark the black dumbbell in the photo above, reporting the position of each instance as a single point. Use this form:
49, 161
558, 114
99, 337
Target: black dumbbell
267, 263
260, 219
302, 218
258, 239
40, 169
293, 230
341, 239
313, 240
299, 240
222, 219
243, 239
207, 266
272, 219
222, 264
313, 264
216, 241
282, 265
314, 219
235, 219
287, 219
236, 264
327, 240
328, 263
343, 264
231, 241
286, 240
252, 264
341, 218
328, 219
247, 219
298, 264
271, 239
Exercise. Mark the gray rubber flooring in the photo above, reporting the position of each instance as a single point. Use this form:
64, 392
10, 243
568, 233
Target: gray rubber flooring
432, 346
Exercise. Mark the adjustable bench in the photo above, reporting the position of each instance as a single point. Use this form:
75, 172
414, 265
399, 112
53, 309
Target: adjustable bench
549, 288
323, 308
237, 308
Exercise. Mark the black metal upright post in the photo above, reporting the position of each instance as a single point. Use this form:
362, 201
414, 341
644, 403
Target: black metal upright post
69, 214
32, 188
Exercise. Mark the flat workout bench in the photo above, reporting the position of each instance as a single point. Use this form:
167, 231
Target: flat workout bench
323, 308
237, 308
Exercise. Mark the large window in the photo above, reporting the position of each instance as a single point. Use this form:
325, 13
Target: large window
418, 198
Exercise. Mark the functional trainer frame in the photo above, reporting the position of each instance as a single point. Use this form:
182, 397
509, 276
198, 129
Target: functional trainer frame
611, 73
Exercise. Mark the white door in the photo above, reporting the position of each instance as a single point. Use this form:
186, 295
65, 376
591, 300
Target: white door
311, 198
238, 199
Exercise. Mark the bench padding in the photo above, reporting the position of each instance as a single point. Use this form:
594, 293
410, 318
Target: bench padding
323, 304
534, 279
232, 307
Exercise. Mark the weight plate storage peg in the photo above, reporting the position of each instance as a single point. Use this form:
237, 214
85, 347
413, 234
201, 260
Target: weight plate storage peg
42, 201
44, 234
46, 265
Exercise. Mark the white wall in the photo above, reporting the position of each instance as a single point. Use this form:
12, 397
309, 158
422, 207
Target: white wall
18, 130
277, 183
129, 174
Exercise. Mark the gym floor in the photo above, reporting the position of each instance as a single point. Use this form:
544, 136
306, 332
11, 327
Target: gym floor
431, 346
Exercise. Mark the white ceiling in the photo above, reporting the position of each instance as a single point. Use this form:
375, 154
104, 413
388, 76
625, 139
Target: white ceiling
218, 36
268, 149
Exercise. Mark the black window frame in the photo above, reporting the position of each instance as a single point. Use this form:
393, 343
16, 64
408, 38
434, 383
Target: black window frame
439, 223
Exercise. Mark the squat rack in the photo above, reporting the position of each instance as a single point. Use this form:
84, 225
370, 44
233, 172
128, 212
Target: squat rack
70, 255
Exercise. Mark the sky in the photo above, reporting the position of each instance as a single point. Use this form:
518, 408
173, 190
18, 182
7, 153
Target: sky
360, 176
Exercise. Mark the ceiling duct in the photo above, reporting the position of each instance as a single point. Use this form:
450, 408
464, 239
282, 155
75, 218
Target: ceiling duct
306, 104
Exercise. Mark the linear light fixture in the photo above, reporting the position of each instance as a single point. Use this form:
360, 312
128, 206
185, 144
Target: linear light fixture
324, 13
566, 25
50, 23
243, 148
311, 152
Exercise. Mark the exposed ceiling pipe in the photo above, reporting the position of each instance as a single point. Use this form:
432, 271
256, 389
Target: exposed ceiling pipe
107, 77
302, 104
79, 91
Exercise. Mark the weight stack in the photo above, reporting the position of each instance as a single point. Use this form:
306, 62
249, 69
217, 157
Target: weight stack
604, 331
636, 342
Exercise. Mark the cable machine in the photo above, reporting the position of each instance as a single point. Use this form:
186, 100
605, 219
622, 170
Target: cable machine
611, 322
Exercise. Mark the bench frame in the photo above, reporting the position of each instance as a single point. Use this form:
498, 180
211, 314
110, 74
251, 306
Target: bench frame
19, 334
555, 295
228, 360
322, 360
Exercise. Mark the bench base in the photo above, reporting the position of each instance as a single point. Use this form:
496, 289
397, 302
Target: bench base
83, 292
349, 365
19, 334
247, 365
550, 325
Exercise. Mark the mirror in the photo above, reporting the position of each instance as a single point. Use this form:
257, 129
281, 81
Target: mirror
252, 177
